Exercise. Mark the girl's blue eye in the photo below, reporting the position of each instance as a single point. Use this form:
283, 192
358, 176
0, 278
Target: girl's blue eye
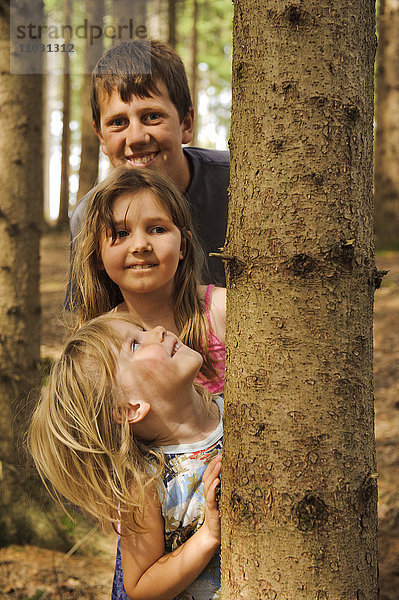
135, 345
122, 233
158, 229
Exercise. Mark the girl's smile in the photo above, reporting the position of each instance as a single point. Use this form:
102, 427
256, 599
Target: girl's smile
148, 247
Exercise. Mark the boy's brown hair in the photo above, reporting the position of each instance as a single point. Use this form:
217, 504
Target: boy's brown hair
135, 68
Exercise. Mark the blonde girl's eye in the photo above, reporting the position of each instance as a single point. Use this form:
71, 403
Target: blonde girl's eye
122, 233
135, 345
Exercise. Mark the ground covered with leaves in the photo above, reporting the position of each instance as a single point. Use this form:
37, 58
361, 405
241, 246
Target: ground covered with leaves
31, 573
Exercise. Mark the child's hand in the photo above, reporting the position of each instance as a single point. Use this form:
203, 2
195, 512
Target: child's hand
211, 480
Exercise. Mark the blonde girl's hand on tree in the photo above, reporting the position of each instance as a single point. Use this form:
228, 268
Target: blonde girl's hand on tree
211, 481
149, 573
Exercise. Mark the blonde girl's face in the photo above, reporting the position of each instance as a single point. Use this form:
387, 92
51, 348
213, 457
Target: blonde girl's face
154, 365
148, 246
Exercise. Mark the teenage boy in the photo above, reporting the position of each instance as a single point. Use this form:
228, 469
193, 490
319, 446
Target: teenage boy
142, 114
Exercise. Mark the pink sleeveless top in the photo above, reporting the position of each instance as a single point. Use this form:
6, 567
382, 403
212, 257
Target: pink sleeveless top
216, 350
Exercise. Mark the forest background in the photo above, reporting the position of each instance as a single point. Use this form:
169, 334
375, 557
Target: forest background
200, 30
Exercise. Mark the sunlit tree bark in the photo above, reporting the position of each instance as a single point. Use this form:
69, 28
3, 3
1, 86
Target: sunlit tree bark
299, 483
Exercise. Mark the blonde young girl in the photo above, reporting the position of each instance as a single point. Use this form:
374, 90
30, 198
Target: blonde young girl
122, 431
138, 252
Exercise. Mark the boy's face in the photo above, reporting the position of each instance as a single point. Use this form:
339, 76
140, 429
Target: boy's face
146, 133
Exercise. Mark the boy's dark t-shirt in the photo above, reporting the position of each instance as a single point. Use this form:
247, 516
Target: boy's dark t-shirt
208, 199
207, 195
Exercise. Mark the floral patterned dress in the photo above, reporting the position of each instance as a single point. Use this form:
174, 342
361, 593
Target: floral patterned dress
183, 510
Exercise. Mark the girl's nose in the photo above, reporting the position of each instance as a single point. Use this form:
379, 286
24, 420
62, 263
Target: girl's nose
155, 335
140, 243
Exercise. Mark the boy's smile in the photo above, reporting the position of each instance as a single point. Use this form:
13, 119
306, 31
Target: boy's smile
146, 133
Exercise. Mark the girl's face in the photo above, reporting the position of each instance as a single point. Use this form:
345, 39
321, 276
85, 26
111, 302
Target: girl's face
148, 246
154, 365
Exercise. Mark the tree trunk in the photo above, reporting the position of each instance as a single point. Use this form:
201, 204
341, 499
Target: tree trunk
46, 148
299, 491
194, 71
88, 171
387, 132
172, 23
157, 22
20, 222
139, 13
63, 216
129, 14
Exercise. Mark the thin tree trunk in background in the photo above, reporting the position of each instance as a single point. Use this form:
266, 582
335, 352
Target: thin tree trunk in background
172, 23
299, 493
63, 217
21, 210
194, 71
139, 13
88, 172
158, 21
125, 11
46, 146
387, 131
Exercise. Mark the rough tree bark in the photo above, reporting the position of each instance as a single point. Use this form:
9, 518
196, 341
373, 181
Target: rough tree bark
387, 132
21, 207
299, 484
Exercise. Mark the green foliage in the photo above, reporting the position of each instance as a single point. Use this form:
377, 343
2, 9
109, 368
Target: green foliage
214, 29
214, 38
68, 524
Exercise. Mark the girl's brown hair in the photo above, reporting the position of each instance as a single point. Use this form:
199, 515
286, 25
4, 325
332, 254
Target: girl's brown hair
94, 293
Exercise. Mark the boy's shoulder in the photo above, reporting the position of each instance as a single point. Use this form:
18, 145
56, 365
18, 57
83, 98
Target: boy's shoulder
208, 157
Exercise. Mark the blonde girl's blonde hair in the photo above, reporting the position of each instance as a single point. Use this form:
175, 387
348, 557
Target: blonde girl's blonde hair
80, 438
94, 293
88, 456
